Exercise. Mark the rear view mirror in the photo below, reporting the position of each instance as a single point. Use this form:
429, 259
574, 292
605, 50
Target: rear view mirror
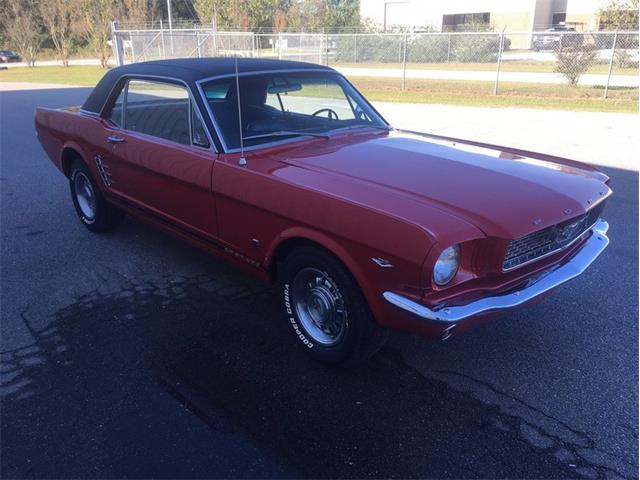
285, 88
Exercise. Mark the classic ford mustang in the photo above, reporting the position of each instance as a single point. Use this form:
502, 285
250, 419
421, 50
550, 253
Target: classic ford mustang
286, 170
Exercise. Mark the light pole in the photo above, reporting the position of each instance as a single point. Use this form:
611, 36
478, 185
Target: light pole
384, 18
170, 24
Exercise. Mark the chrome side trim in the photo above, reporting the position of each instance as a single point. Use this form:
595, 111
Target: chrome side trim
548, 280
382, 262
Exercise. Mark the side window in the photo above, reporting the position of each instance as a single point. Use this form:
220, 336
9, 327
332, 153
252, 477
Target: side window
198, 133
158, 109
116, 111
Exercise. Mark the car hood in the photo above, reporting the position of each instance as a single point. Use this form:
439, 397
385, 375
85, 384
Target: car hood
504, 192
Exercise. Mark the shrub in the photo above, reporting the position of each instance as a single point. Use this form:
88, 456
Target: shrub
624, 59
428, 49
475, 48
573, 61
370, 48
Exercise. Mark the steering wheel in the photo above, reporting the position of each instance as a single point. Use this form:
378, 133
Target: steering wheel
332, 115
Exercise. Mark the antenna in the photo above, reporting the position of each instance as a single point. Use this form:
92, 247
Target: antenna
243, 161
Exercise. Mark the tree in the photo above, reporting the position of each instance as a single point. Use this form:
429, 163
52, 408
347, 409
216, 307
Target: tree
346, 13
311, 15
24, 29
619, 15
234, 14
280, 21
327, 15
141, 11
96, 21
60, 20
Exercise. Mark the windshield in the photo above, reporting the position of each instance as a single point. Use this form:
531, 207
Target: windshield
277, 106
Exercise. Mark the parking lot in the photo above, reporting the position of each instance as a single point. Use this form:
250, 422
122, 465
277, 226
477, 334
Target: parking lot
132, 354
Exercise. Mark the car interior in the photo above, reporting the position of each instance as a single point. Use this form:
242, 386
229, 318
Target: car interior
263, 110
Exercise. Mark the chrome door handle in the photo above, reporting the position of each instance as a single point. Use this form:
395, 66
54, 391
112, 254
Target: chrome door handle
113, 139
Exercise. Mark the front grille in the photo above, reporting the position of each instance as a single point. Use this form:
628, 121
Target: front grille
549, 240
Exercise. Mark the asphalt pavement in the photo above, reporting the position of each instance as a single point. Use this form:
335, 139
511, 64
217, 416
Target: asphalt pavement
132, 354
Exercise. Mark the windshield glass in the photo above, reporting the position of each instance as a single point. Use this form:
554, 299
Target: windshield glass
277, 106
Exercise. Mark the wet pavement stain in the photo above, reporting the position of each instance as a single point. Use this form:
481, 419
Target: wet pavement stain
190, 377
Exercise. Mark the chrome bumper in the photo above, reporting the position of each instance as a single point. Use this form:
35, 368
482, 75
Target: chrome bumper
594, 246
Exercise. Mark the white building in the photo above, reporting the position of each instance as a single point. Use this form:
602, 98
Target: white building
514, 15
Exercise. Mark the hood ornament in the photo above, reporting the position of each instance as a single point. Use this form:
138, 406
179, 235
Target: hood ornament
568, 211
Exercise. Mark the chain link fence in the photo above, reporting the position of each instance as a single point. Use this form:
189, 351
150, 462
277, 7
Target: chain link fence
494, 62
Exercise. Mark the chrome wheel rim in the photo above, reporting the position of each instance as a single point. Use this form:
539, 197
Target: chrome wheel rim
319, 306
85, 195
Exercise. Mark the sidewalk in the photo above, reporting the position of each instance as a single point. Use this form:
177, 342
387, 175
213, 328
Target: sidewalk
606, 139
490, 76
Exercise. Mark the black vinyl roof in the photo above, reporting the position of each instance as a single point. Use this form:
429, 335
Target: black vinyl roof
188, 70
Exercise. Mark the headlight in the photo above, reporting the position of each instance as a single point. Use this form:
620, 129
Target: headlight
447, 265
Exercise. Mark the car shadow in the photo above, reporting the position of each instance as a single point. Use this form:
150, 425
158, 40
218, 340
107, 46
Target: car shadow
81, 398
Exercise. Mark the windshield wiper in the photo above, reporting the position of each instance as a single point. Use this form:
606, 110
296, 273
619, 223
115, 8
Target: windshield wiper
353, 127
287, 133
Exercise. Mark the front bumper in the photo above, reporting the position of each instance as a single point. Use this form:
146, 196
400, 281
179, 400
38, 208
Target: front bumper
450, 315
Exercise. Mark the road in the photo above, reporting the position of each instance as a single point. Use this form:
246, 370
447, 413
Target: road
131, 354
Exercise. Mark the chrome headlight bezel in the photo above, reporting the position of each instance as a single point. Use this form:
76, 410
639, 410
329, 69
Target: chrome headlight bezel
446, 266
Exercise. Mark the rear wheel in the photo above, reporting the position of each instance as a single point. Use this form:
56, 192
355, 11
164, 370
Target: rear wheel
92, 208
326, 310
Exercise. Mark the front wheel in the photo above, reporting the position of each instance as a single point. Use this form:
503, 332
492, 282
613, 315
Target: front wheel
92, 208
326, 310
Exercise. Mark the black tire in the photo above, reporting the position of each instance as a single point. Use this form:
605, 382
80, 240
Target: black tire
105, 216
360, 336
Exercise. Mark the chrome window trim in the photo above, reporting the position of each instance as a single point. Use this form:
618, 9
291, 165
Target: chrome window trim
158, 78
226, 149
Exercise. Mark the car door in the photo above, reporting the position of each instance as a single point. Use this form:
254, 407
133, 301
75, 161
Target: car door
160, 157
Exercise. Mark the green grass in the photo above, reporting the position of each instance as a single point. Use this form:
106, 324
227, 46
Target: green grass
476, 93
449, 92
74, 75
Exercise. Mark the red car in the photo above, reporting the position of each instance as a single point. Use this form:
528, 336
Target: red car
285, 169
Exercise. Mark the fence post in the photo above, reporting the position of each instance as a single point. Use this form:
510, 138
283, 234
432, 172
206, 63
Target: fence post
404, 62
495, 87
164, 52
326, 41
133, 53
253, 44
116, 41
613, 52
449, 48
279, 45
214, 32
355, 48
197, 32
